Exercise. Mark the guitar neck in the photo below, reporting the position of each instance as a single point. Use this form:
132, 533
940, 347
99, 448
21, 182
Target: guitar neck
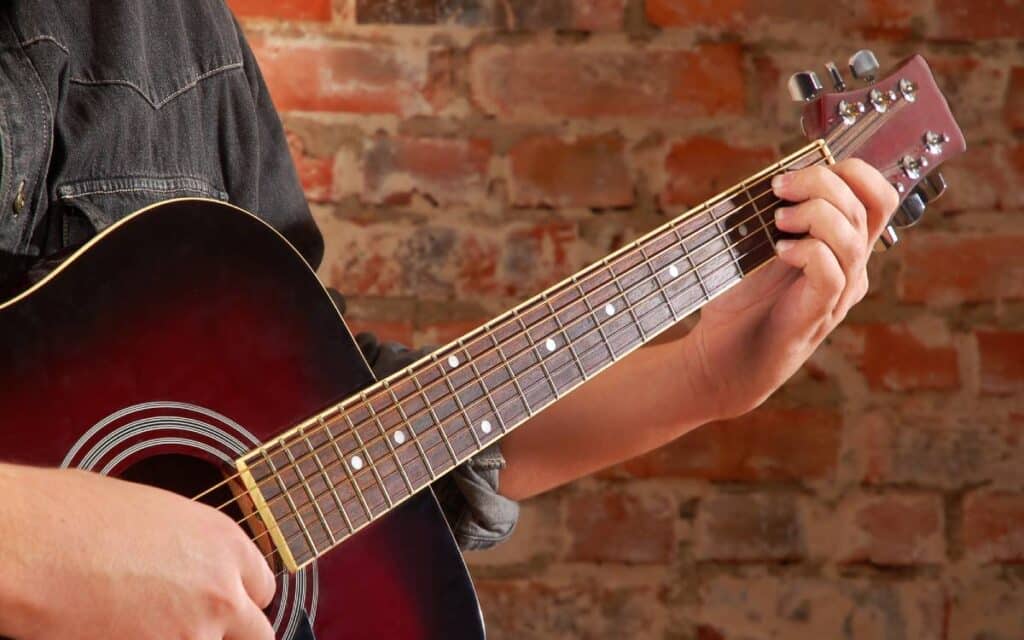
325, 479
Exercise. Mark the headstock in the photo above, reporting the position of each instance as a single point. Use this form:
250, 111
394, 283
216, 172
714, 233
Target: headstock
901, 124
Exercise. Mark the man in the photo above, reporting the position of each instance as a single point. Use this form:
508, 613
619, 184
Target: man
108, 106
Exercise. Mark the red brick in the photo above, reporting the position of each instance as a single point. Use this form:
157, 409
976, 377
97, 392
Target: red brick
309, 76
892, 529
315, 173
946, 268
994, 526
442, 262
576, 607
446, 171
598, 15
581, 82
806, 608
766, 444
987, 606
702, 166
1002, 361
939, 450
317, 10
879, 18
588, 172
750, 528
893, 358
975, 19
1014, 109
614, 526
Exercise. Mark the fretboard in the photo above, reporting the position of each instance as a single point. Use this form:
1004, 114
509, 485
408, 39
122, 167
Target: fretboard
322, 481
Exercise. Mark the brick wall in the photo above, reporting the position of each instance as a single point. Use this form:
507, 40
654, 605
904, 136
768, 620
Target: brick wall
461, 155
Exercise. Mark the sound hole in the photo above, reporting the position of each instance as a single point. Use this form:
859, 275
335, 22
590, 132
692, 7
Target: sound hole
185, 475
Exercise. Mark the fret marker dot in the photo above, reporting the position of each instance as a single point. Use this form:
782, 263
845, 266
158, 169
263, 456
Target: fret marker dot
356, 462
399, 437
673, 271
453, 361
609, 309
485, 426
743, 229
549, 344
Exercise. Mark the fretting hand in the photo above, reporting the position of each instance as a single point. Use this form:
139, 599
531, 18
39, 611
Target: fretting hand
754, 337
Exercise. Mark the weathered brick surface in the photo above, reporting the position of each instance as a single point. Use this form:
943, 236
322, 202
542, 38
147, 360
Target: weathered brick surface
461, 155
892, 529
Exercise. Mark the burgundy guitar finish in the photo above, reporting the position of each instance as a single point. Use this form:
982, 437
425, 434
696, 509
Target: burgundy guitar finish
161, 356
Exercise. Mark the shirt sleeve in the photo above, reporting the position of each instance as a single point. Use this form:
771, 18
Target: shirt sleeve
479, 516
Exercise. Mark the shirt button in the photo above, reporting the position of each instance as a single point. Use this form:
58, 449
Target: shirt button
19, 198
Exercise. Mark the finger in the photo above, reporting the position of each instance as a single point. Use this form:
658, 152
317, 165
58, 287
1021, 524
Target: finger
820, 219
873, 190
257, 577
819, 182
819, 290
250, 625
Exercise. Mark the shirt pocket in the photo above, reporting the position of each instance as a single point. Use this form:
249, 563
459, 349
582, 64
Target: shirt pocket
100, 202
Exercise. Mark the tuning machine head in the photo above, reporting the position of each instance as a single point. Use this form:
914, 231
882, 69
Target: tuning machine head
804, 86
864, 65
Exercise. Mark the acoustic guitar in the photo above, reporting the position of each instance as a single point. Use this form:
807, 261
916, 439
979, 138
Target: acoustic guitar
190, 347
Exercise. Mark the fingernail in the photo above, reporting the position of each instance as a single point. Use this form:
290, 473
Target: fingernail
781, 213
782, 246
780, 181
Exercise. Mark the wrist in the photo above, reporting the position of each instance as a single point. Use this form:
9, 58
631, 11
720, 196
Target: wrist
698, 397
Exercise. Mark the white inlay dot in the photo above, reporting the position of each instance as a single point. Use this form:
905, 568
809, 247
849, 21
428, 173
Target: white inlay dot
485, 426
453, 361
549, 344
609, 309
356, 462
743, 229
399, 437
673, 271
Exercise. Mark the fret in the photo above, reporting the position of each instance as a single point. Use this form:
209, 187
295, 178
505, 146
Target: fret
343, 459
323, 470
291, 503
535, 351
512, 376
370, 462
487, 394
628, 305
596, 319
394, 452
309, 490
565, 336
724, 233
458, 400
693, 265
657, 282
416, 439
440, 425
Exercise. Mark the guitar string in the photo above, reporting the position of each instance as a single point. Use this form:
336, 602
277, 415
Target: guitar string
369, 511
398, 459
585, 315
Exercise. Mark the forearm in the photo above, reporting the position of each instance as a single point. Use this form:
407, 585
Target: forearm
15, 596
639, 404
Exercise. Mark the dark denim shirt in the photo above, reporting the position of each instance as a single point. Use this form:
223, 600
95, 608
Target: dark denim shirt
107, 106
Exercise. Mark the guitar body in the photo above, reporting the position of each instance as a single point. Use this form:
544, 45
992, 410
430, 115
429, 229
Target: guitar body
182, 338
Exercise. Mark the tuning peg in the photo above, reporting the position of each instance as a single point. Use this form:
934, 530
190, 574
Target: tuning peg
932, 187
836, 75
804, 86
911, 211
864, 65
887, 240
